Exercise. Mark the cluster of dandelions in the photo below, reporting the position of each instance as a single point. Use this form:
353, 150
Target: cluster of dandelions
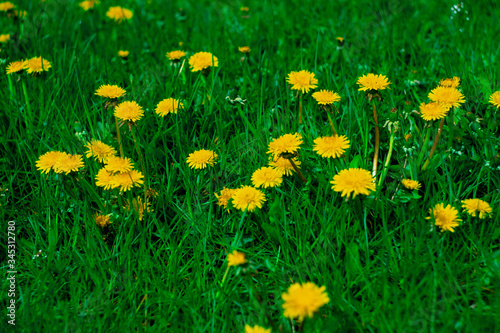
446, 217
300, 301
34, 66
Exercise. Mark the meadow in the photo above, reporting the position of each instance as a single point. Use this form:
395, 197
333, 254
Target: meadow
296, 166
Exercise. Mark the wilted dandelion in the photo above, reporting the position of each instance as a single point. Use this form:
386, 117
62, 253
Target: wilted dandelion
119, 14
110, 91
302, 300
267, 177
474, 206
495, 99
37, 65
99, 150
445, 217
138, 206
236, 258
326, 97
353, 181
169, 105
248, 197
200, 159
331, 146
373, 82
410, 184
202, 60
102, 220
302, 80
433, 111
129, 111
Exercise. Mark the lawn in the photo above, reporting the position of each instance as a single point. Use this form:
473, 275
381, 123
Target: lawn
341, 174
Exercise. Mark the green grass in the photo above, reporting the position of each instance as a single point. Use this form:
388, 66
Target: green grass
383, 269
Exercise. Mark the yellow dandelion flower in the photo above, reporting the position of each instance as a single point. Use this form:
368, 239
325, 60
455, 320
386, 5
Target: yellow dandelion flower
302, 80
340, 41
68, 163
302, 300
256, 329
353, 181
410, 184
176, 55
89, 4
102, 220
474, 206
445, 217
287, 143
127, 180
105, 179
244, 49
224, 196
446, 96
495, 99
129, 111
453, 82
116, 164
47, 161
373, 82
244, 9
248, 197
408, 136
326, 97
99, 150
236, 258
16, 67
37, 65
110, 91
433, 111
202, 60
123, 53
119, 14
169, 105
283, 165
267, 177
4, 38
199, 159
331, 146
6, 6
138, 206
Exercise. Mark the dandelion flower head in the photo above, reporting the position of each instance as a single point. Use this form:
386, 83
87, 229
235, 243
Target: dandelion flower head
373, 82
353, 181
16, 67
47, 161
302, 300
474, 206
445, 217
127, 180
287, 143
110, 91
283, 165
119, 14
169, 105
176, 55
224, 196
453, 82
37, 65
105, 179
200, 159
495, 99
202, 60
4, 38
236, 258
447, 96
302, 80
6, 6
68, 163
99, 150
410, 184
433, 111
244, 49
116, 164
129, 111
123, 53
102, 220
248, 197
88, 4
256, 329
326, 97
331, 146
267, 177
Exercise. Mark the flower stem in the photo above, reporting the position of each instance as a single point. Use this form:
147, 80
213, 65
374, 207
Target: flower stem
388, 158
301, 176
300, 109
424, 145
434, 145
451, 127
377, 142
28, 107
142, 163
119, 137
329, 114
